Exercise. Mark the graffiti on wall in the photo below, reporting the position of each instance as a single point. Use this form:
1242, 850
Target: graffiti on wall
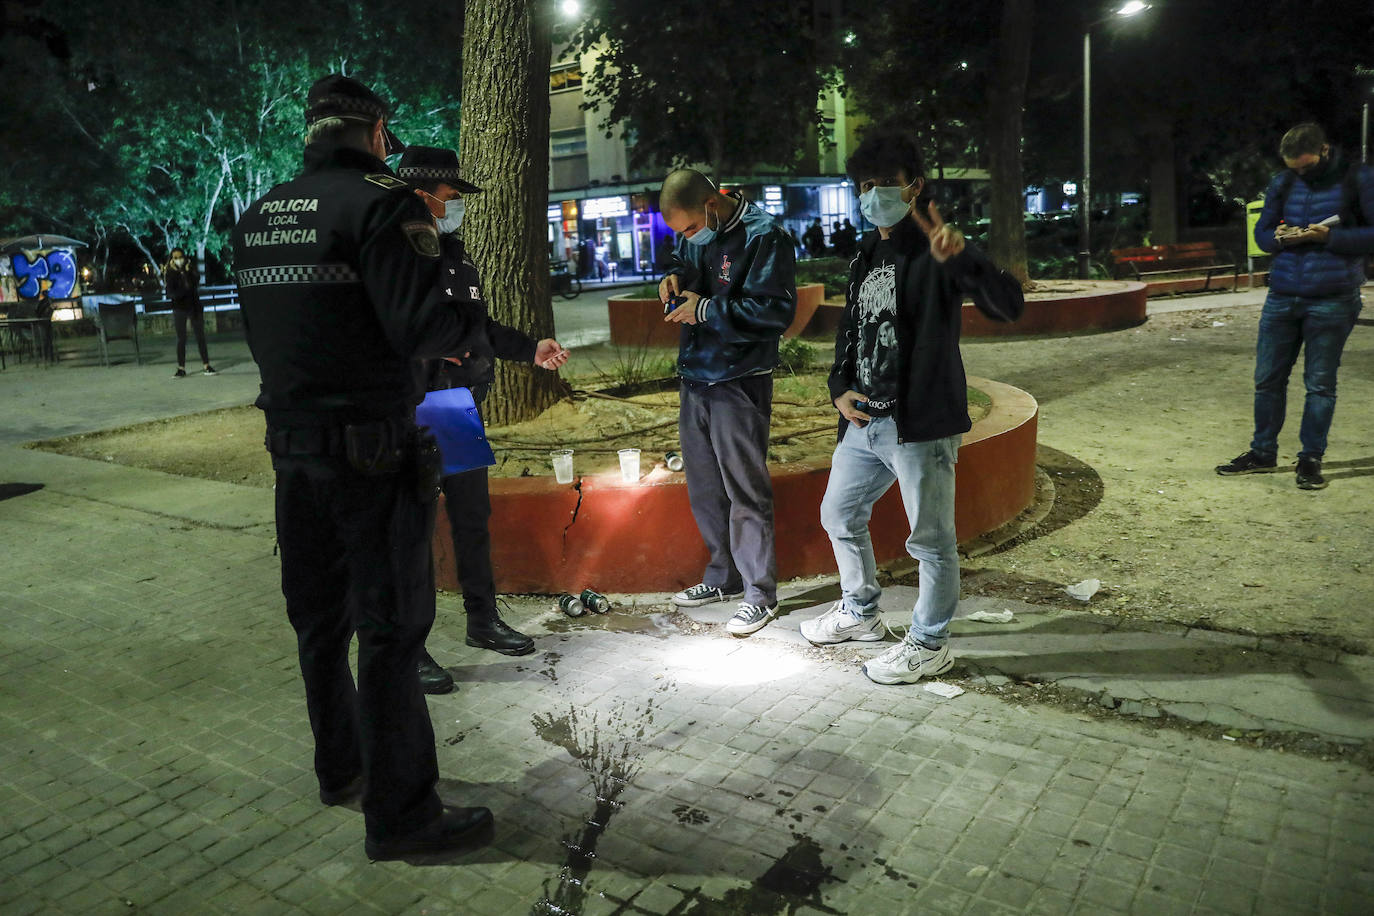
57, 266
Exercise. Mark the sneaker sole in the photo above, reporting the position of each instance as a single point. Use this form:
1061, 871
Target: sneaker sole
913, 676
1268, 470
1312, 486
863, 637
743, 630
481, 836
698, 602
525, 650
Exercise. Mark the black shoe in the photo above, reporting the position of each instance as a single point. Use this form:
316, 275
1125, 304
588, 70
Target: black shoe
1247, 463
497, 636
434, 679
344, 795
209, 370
180, 373
455, 828
1310, 474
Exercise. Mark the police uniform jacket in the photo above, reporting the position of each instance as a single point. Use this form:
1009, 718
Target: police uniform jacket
339, 283
463, 288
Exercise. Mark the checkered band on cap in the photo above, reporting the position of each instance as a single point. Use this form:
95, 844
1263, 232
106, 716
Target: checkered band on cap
449, 175
297, 273
335, 106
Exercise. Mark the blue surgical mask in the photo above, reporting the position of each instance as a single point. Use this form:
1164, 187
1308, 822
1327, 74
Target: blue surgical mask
453, 216
705, 235
884, 207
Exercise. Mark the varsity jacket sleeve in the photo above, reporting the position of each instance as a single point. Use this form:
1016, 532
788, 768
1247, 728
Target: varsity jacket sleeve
402, 282
684, 266
995, 292
767, 300
1357, 240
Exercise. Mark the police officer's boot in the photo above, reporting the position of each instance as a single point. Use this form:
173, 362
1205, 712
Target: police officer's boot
433, 678
489, 631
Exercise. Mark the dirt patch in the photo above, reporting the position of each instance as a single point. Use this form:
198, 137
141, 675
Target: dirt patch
226, 445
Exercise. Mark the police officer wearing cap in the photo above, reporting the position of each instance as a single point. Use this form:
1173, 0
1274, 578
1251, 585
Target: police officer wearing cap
435, 176
338, 273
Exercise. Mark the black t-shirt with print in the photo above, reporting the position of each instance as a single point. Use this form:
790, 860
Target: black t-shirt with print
876, 375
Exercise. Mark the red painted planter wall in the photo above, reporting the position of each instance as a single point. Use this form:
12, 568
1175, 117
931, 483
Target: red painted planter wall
641, 537
1077, 312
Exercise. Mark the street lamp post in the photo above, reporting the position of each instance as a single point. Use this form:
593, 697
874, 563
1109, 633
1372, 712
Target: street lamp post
1085, 187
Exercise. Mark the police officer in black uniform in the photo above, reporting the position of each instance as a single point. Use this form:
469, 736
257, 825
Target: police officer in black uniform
338, 273
435, 176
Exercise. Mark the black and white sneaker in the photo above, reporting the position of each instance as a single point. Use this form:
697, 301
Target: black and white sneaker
750, 618
701, 593
1247, 463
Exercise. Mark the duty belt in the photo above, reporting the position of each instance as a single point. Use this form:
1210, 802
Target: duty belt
306, 440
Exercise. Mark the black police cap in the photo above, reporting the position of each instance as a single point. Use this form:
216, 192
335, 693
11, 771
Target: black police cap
337, 96
428, 163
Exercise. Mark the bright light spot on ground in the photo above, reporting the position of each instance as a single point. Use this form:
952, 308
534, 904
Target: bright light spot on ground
1130, 9
716, 663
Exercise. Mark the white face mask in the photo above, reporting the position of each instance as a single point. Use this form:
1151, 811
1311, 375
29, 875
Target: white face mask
453, 215
884, 207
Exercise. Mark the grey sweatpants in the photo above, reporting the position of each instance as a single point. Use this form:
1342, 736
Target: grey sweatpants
723, 429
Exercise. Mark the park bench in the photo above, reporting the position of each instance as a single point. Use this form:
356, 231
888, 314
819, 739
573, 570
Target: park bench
1181, 258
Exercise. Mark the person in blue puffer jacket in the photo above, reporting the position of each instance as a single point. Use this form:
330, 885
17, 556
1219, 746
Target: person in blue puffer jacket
1317, 222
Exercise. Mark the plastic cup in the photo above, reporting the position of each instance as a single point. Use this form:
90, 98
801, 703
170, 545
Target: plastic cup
562, 465
629, 464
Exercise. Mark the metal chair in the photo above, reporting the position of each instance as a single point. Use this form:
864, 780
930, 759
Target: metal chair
118, 321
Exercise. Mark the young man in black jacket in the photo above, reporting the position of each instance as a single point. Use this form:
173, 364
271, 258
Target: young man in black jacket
434, 175
898, 383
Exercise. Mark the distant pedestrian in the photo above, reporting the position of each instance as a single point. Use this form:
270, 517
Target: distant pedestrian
814, 239
182, 277
836, 238
898, 383
735, 274
851, 238
1318, 221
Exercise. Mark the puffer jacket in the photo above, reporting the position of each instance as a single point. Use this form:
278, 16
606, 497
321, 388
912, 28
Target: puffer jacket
1313, 270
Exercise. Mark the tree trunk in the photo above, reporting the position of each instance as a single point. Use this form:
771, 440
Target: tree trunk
505, 150
1163, 186
1007, 230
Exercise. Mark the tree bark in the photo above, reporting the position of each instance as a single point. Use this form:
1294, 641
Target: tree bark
1007, 230
1163, 186
504, 148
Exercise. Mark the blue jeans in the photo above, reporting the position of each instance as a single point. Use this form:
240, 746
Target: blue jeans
1287, 324
866, 463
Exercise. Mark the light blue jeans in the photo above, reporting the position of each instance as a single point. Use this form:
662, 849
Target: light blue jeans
866, 463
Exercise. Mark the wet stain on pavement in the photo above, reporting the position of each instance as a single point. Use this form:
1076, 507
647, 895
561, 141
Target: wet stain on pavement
550, 669
792, 882
656, 625
609, 755
459, 737
686, 814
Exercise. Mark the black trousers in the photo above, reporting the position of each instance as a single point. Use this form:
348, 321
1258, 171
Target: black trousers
355, 558
197, 318
468, 502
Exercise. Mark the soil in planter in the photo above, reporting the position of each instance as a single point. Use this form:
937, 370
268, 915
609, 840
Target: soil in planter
226, 445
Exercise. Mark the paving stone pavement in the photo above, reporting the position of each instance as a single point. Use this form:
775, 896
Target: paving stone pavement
155, 757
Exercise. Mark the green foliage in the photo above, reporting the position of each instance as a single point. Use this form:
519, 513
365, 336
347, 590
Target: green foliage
833, 273
162, 120
719, 82
631, 367
796, 355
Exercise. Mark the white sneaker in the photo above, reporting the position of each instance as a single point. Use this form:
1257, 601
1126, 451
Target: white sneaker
908, 662
838, 625
749, 618
701, 593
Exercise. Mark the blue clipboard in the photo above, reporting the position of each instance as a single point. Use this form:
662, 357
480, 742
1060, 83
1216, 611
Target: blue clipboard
451, 415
